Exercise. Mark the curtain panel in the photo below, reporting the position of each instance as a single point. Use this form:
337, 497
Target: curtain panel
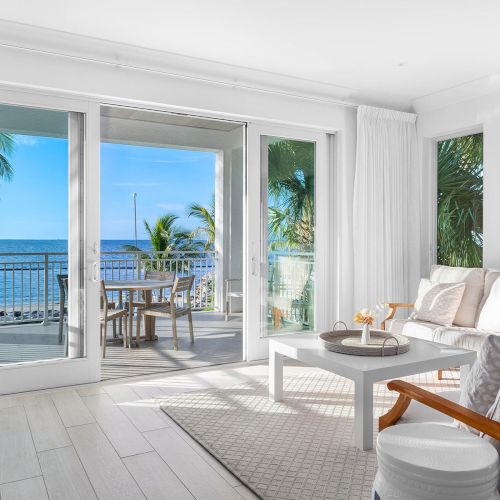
386, 221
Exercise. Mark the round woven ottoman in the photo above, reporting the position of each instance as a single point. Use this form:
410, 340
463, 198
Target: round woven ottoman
434, 462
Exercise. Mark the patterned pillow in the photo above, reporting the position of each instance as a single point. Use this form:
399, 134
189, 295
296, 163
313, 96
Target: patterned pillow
483, 382
438, 302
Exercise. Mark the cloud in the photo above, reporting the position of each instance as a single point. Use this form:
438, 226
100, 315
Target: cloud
136, 184
26, 140
172, 207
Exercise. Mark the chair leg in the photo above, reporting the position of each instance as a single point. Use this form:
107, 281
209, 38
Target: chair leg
227, 310
174, 333
440, 374
138, 328
114, 328
125, 332
103, 339
190, 322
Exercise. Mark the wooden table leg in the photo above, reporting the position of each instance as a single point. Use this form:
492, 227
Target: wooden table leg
120, 306
131, 317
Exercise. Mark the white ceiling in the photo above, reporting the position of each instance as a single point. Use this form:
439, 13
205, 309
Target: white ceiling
401, 49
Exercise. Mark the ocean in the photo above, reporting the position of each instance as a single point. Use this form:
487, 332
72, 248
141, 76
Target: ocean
22, 277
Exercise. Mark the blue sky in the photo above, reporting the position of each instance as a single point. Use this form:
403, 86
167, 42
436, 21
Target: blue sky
34, 204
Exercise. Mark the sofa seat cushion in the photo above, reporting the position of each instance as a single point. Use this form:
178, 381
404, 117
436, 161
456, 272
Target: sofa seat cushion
465, 338
474, 290
418, 413
412, 328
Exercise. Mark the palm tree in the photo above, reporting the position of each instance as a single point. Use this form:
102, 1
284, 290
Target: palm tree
206, 216
460, 201
291, 195
166, 239
7, 144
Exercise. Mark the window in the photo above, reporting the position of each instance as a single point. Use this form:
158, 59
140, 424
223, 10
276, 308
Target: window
460, 201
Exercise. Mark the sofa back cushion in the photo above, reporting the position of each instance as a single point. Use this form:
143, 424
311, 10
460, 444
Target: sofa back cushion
473, 294
489, 278
437, 302
489, 316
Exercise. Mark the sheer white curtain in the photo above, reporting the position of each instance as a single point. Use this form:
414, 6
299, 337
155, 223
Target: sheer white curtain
386, 222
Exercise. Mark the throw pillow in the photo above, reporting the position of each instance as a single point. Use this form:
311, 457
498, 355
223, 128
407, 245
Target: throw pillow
489, 318
483, 382
438, 302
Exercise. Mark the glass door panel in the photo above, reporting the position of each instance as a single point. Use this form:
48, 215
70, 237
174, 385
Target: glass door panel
288, 235
42, 251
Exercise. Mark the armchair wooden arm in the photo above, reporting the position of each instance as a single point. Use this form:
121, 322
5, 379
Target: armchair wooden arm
393, 307
407, 392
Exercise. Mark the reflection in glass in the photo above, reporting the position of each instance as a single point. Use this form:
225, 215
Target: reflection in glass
289, 241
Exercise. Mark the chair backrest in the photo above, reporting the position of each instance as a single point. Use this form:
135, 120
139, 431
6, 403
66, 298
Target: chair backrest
160, 275
183, 284
62, 280
104, 297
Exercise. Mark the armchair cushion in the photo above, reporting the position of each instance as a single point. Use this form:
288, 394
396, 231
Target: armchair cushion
482, 385
413, 328
438, 302
473, 293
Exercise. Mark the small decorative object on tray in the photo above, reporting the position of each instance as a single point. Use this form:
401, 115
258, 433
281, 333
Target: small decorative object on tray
350, 342
367, 318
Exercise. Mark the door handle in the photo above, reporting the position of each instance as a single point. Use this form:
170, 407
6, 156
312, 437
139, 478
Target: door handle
254, 266
96, 268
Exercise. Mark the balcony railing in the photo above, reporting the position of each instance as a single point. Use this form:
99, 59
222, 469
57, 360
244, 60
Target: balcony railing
29, 290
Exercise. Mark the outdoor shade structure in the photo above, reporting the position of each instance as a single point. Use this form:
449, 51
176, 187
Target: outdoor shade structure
225, 139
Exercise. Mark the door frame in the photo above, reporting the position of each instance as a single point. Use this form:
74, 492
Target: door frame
44, 374
256, 345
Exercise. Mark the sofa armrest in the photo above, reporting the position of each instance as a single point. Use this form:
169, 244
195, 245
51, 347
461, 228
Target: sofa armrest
393, 307
408, 391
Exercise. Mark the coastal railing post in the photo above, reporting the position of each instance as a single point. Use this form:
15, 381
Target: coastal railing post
45, 321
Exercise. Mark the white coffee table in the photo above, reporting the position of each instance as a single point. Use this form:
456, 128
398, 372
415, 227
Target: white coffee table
364, 371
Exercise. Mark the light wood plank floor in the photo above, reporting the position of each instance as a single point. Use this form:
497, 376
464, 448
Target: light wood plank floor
111, 441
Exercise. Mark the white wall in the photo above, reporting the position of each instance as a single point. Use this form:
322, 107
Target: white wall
482, 113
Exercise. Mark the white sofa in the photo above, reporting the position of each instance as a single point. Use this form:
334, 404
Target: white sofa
465, 331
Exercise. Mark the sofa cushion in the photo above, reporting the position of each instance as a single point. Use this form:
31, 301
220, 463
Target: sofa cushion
438, 302
489, 316
481, 387
412, 328
465, 338
489, 278
473, 294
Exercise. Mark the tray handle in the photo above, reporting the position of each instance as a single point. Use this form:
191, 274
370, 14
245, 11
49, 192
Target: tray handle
389, 338
339, 323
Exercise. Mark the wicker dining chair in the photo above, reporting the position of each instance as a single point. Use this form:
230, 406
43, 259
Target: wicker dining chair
182, 287
110, 314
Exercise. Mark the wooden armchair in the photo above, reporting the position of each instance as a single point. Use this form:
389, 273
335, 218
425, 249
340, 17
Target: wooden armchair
409, 392
393, 307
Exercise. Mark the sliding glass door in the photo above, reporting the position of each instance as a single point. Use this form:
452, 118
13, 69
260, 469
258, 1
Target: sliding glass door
43, 284
287, 234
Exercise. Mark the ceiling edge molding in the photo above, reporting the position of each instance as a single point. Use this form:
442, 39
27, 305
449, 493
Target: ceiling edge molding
475, 89
26, 37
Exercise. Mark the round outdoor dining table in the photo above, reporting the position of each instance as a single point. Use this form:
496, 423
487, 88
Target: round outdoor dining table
132, 286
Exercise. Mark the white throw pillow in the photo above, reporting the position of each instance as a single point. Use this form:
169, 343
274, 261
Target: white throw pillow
438, 302
489, 318
474, 290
